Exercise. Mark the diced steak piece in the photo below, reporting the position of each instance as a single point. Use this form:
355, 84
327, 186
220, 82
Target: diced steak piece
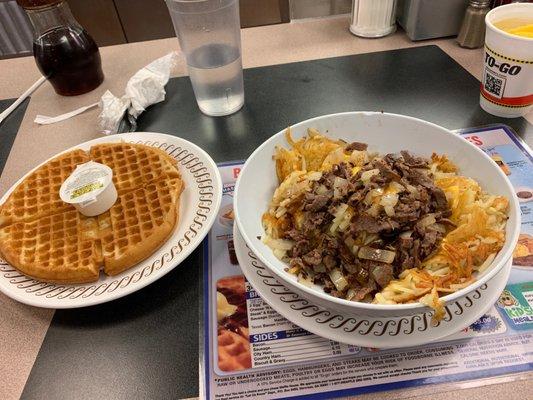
407, 212
386, 170
330, 262
295, 234
429, 242
382, 273
419, 178
414, 162
315, 221
300, 248
313, 258
356, 146
361, 293
342, 170
315, 202
370, 224
439, 198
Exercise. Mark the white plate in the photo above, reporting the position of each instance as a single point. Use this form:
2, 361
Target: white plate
385, 133
199, 205
379, 332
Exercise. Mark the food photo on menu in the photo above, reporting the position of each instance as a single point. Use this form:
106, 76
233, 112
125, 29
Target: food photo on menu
206, 206
232, 337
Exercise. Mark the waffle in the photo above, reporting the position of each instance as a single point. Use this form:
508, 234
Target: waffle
233, 344
38, 195
138, 223
57, 248
48, 239
233, 351
134, 165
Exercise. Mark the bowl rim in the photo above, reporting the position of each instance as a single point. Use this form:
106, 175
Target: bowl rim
514, 207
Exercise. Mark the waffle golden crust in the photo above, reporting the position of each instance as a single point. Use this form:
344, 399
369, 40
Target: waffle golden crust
233, 351
134, 165
38, 195
57, 248
49, 240
138, 223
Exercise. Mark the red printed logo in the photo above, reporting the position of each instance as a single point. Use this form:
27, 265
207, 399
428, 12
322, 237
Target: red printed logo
475, 140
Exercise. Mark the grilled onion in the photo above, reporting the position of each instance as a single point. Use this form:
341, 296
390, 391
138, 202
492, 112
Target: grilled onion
340, 186
365, 176
427, 220
338, 279
381, 255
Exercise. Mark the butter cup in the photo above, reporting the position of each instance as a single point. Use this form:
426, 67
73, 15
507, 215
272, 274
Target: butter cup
90, 189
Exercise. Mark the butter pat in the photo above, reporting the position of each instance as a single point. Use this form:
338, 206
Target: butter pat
224, 309
90, 189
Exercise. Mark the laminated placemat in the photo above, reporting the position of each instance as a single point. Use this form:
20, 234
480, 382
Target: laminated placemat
146, 344
9, 128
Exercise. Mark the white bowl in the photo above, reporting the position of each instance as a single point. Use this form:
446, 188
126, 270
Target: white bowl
385, 133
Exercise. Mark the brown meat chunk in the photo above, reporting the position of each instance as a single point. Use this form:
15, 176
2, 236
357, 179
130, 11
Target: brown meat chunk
356, 146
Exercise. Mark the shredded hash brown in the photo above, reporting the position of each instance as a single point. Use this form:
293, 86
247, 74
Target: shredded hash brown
467, 249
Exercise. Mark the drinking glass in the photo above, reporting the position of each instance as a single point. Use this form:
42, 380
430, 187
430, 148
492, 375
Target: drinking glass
210, 37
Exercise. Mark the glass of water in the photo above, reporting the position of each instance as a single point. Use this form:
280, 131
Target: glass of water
210, 37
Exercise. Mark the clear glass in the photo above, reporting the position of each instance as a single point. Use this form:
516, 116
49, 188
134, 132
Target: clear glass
210, 37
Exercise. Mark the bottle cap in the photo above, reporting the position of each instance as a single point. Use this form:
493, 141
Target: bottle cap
35, 4
90, 189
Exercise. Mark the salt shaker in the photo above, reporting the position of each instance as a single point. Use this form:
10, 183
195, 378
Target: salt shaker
373, 18
472, 33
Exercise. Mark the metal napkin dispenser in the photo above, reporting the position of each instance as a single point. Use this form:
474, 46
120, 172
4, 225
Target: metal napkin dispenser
429, 19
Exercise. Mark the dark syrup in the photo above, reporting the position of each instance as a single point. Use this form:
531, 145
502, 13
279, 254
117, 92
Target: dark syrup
70, 60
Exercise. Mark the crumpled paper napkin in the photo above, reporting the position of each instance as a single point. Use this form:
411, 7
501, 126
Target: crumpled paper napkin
143, 89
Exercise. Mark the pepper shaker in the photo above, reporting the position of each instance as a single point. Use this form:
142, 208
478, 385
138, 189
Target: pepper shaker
472, 33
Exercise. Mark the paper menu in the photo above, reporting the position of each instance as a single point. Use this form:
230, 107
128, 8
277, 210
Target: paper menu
277, 341
259, 354
516, 161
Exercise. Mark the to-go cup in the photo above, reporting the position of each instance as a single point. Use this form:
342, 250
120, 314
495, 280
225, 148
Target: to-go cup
507, 82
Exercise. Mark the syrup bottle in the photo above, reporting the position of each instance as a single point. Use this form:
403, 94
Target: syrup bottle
64, 52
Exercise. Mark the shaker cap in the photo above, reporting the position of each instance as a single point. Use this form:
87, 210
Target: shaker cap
480, 3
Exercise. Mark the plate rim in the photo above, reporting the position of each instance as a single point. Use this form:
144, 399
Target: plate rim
116, 294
